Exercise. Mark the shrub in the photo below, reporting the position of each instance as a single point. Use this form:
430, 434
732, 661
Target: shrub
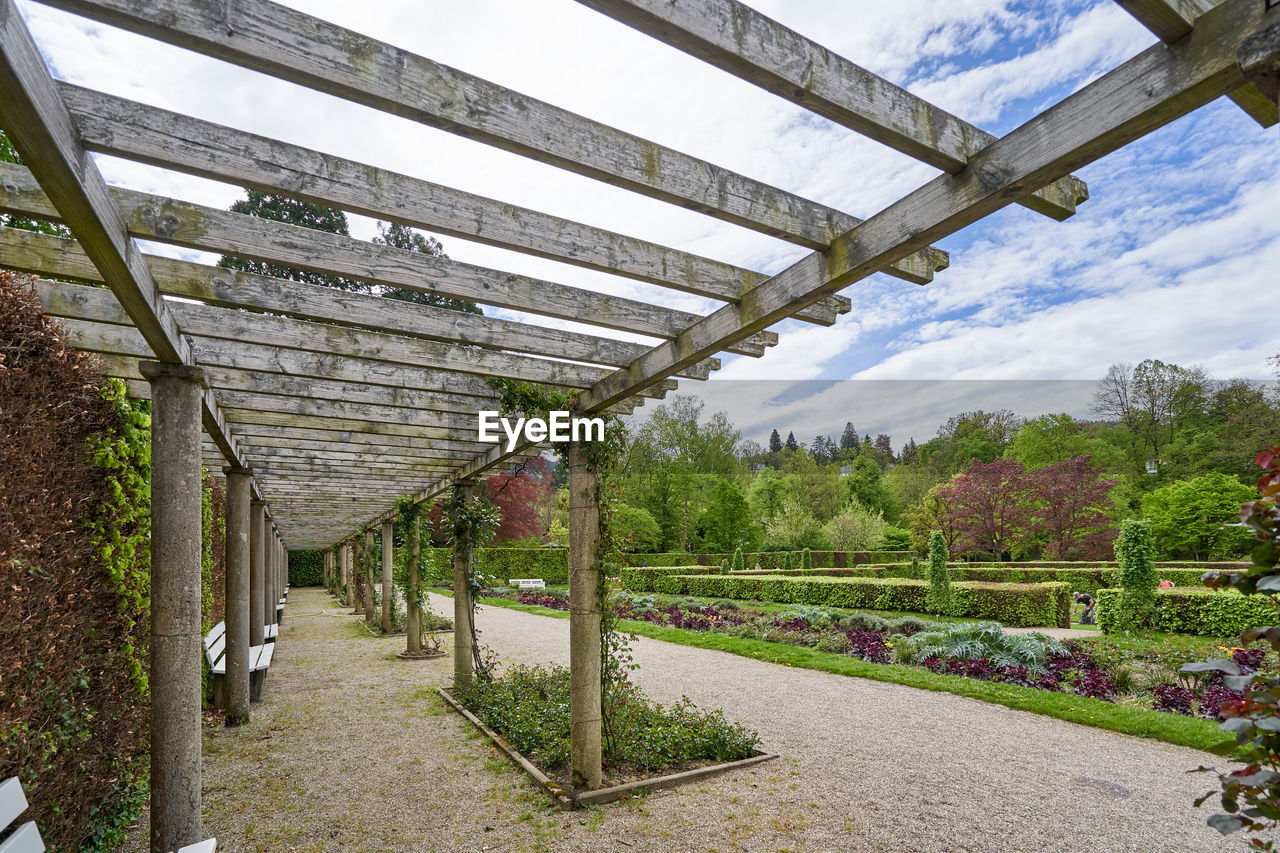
806, 560
1191, 611
940, 599
306, 568
986, 641
1135, 551
1096, 684
868, 645
738, 564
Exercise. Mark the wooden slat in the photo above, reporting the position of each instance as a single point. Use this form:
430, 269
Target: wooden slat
13, 801
36, 122
172, 140
55, 257
303, 49
25, 839
1171, 20
736, 38
195, 226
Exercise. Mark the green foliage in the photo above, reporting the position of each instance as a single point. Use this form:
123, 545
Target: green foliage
529, 707
403, 237
794, 527
806, 560
306, 568
1134, 552
982, 640
635, 528
1188, 518
941, 599
1190, 611
727, 522
738, 564
856, 528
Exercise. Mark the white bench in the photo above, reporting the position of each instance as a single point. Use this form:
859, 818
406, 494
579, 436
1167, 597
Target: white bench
215, 644
26, 838
527, 583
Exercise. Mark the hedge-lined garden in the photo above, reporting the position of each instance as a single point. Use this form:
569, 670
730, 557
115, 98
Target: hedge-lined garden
1207, 612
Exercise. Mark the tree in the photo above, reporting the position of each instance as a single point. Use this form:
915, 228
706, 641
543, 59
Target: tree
1187, 518
521, 495
849, 438
1073, 510
767, 493
1050, 439
403, 237
727, 522
988, 507
739, 564
791, 442
816, 484
856, 529
282, 208
775, 442
864, 483
940, 598
635, 530
794, 527
884, 444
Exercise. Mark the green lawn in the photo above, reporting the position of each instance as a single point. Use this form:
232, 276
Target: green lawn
1126, 719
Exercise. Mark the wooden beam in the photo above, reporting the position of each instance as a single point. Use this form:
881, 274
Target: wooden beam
736, 38
37, 123
194, 226
204, 322
1171, 20
276, 40
56, 257
172, 140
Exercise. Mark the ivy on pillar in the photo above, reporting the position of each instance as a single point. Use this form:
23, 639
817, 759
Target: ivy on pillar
413, 556
176, 655
366, 552
236, 680
463, 554
356, 597
584, 621
388, 554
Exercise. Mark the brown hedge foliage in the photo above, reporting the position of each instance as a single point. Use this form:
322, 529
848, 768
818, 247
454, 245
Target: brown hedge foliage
72, 721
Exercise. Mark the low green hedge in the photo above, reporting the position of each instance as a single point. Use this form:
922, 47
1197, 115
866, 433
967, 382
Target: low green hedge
1207, 612
767, 559
645, 579
550, 564
1019, 605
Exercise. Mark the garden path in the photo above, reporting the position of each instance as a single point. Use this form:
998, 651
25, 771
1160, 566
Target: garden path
351, 751
1056, 633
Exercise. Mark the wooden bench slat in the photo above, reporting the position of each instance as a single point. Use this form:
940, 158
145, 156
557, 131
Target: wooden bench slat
214, 633
25, 839
13, 801
264, 660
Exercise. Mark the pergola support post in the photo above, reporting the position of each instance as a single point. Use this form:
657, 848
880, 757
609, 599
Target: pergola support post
463, 647
584, 621
269, 574
366, 553
257, 549
356, 596
413, 572
176, 655
388, 556
236, 680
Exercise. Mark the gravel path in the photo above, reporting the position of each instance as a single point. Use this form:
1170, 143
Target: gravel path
350, 751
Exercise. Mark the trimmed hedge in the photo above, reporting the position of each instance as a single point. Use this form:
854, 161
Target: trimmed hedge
1018, 605
1207, 612
306, 568
645, 579
550, 564
769, 560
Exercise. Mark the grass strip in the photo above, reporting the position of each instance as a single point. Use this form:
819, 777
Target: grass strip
1194, 732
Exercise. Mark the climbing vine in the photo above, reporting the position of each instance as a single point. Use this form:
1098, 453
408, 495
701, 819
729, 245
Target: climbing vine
472, 523
531, 400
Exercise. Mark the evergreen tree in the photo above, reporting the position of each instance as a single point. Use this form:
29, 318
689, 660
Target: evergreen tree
849, 438
791, 443
806, 560
775, 442
885, 445
281, 208
402, 237
738, 564
1135, 549
939, 599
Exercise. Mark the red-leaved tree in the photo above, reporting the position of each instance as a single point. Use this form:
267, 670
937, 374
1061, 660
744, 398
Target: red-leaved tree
988, 506
1072, 510
520, 494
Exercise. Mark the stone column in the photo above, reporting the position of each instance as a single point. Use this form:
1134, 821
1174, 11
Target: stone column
413, 572
463, 651
236, 681
328, 570
388, 557
584, 621
357, 576
269, 594
258, 523
367, 549
176, 653
348, 584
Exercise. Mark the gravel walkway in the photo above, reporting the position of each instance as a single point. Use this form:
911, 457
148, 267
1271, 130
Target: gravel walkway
350, 751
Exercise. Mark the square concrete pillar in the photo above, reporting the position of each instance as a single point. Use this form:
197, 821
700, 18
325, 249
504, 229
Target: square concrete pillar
239, 515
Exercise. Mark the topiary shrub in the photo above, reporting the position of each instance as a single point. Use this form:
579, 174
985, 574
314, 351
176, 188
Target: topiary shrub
940, 599
739, 564
1135, 551
806, 560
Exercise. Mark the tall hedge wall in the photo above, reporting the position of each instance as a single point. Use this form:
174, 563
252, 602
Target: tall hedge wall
75, 570
306, 568
502, 564
1019, 605
768, 559
1207, 612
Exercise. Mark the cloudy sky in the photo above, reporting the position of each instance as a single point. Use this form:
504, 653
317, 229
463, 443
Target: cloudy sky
1174, 256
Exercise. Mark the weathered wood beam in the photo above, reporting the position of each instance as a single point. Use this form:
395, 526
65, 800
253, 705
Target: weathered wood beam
1171, 20
1149, 91
194, 226
171, 140
204, 322
736, 38
56, 257
306, 50
37, 123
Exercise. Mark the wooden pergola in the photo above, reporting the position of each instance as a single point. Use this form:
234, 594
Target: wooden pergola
327, 406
